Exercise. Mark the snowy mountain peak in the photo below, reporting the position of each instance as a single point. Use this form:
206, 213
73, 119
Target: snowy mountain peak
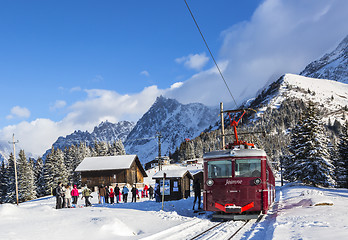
330, 96
333, 66
174, 120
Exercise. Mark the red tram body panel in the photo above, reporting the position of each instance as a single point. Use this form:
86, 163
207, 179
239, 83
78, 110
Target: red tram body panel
238, 181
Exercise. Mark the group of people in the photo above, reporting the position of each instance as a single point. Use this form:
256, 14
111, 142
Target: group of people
108, 195
64, 194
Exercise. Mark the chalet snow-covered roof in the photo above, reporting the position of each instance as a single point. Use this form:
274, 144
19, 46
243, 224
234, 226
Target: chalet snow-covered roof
106, 163
173, 173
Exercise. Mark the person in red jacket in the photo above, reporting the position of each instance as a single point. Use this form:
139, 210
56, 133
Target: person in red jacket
146, 188
74, 194
112, 196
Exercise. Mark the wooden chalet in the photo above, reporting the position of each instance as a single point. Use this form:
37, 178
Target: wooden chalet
177, 183
111, 170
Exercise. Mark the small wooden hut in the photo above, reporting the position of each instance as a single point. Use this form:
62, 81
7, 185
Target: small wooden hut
176, 183
111, 170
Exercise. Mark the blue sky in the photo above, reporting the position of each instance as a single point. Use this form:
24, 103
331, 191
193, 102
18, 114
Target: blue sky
68, 65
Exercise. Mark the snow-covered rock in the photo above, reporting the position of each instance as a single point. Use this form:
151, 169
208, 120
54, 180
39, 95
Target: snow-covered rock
332, 66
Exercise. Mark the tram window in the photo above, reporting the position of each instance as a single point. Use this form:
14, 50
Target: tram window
248, 168
220, 169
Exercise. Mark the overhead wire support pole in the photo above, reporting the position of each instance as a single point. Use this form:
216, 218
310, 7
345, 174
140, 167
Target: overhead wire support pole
15, 165
211, 54
158, 134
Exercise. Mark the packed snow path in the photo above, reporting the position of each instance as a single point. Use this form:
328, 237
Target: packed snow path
294, 216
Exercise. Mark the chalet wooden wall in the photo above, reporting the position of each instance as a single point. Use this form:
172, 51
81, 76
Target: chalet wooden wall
130, 176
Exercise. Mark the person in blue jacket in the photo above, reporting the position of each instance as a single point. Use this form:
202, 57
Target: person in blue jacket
125, 191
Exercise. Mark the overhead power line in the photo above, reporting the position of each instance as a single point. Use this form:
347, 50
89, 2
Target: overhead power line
211, 54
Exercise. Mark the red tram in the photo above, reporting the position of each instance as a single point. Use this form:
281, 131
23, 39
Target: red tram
238, 182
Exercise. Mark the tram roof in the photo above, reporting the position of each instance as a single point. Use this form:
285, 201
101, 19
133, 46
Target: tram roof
236, 152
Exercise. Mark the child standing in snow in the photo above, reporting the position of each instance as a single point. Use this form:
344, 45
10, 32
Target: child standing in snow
112, 196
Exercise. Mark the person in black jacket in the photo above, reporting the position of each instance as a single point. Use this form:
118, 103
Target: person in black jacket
134, 194
151, 192
59, 196
117, 192
197, 191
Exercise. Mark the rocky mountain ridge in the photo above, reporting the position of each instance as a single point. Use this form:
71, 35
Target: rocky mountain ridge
333, 66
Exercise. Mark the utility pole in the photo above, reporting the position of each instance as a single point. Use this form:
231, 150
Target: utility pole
158, 134
15, 166
222, 125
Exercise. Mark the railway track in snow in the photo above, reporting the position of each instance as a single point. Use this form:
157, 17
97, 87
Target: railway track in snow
223, 230
197, 230
226, 230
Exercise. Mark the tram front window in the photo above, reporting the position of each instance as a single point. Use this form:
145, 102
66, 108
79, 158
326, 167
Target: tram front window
248, 168
220, 169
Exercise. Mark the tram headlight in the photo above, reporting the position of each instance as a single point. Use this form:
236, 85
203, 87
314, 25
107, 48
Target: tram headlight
257, 181
210, 182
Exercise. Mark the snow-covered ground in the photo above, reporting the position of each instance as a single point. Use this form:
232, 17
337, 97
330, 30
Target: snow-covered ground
294, 216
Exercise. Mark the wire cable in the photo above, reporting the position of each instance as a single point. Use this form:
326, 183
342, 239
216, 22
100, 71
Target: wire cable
206, 44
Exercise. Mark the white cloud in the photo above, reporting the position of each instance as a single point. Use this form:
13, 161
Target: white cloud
176, 85
281, 37
75, 89
145, 73
196, 61
37, 136
19, 112
58, 104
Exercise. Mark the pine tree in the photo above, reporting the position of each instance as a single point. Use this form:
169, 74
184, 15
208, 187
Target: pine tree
292, 169
54, 170
119, 148
61, 174
310, 159
39, 178
341, 165
49, 172
70, 155
2, 182
26, 187
9, 180
199, 148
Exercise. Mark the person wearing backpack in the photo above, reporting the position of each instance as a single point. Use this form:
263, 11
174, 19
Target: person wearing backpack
59, 196
86, 193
